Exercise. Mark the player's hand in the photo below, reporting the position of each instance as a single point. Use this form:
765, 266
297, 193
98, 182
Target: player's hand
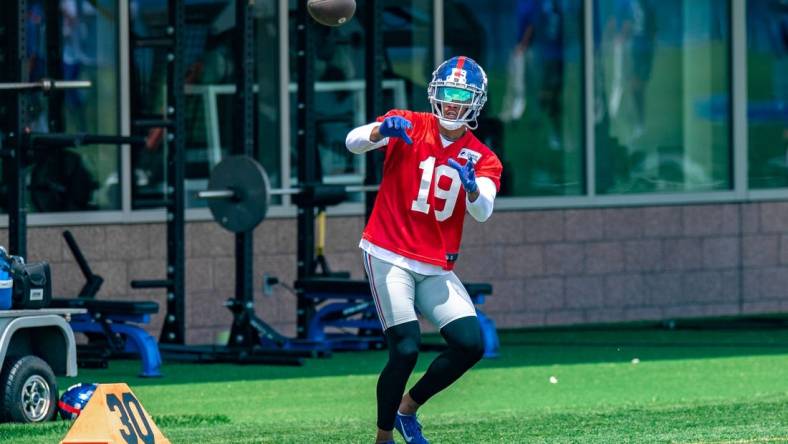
396, 126
467, 175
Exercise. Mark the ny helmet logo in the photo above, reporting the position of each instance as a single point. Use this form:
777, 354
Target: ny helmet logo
457, 76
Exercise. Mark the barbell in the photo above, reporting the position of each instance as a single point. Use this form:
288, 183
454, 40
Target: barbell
45, 85
239, 193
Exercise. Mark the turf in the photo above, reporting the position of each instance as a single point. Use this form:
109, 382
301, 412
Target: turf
686, 386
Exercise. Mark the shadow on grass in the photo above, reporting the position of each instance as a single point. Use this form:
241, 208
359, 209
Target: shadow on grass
520, 348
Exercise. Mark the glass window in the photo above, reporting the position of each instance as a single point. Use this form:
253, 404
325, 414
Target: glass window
340, 80
85, 177
767, 90
408, 29
90, 52
339, 96
662, 94
267, 106
532, 52
209, 35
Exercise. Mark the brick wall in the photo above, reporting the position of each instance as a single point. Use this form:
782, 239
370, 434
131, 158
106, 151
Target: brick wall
551, 267
604, 265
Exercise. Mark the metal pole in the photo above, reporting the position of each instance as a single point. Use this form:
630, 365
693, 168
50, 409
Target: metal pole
374, 59
589, 118
174, 330
65, 140
307, 156
216, 194
348, 188
45, 85
13, 120
242, 333
54, 37
230, 194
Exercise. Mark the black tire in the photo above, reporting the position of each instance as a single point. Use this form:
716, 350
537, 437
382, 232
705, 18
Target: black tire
28, 390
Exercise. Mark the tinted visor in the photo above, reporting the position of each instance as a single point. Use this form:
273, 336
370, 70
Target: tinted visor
455, 95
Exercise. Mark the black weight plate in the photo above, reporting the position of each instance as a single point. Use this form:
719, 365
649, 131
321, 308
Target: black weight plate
247, 178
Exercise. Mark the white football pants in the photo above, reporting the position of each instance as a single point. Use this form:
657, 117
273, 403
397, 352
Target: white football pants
398, 292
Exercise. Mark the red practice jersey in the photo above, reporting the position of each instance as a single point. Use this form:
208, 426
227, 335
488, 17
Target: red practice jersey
420, 207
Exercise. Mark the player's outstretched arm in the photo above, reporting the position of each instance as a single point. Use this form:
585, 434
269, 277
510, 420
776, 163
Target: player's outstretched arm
376, 134
359, 140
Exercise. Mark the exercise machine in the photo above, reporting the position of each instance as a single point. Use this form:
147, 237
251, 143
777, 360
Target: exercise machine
251, 340
113, 328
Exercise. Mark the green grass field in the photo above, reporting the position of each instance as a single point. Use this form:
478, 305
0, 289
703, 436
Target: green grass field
688, 387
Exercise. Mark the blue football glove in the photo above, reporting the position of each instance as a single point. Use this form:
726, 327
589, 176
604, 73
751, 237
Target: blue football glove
467, 175
396, 126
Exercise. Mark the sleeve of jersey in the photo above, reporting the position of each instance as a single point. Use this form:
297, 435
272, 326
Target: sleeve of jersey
488, 177
481, 209
357, 140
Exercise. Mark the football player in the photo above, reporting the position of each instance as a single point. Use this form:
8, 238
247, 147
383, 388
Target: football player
434, 171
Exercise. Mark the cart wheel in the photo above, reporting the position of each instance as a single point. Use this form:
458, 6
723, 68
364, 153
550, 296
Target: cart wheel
28, 390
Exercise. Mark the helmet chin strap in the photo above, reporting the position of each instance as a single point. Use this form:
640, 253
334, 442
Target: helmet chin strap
451, 125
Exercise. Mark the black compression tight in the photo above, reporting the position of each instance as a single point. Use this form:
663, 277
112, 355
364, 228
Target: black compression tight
403, 341
465, 348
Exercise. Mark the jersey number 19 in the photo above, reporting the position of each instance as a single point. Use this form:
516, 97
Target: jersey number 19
430, 173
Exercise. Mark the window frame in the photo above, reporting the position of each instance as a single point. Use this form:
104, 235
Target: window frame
740, 192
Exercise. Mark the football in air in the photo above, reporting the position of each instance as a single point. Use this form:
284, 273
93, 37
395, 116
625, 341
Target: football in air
331, 12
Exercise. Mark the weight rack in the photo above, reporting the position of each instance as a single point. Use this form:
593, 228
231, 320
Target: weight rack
172, 120
13, 120
17, 140
244, 343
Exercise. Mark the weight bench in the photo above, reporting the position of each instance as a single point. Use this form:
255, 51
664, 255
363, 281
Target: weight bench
348, 304
112, 327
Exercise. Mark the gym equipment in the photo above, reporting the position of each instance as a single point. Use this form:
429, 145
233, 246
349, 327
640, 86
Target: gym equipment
251, 340
345, 298
18, 96
336, 310
172, 122
45, 85
238, 197
18, 144
112, 327
239, 192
